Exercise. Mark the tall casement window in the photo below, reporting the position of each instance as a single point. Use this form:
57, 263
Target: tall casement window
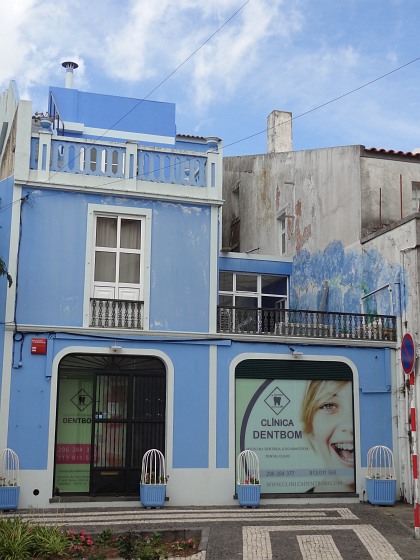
118, 254
415, 197
117, 282
283, 238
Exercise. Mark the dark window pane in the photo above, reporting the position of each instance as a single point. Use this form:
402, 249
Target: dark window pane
226, 281
271, 284
246, 302
226, 301
246, 283
273, 303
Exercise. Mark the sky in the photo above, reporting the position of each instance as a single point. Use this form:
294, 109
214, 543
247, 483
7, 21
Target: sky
290, 55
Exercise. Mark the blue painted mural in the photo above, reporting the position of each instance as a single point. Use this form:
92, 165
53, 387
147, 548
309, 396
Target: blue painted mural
351, 277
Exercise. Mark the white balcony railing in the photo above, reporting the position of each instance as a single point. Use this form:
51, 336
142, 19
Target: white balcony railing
123, 161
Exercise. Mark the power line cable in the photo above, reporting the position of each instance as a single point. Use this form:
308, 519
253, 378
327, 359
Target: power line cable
323, 104
251, 135
178, 67
144, 99
160, 83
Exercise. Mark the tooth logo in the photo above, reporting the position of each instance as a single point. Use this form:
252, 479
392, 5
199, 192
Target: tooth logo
81, 400
277, 400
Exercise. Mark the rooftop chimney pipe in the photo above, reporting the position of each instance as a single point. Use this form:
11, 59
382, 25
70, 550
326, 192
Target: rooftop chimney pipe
69, 66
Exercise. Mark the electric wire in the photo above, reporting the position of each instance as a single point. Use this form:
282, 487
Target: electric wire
324, 104
243, 139
7, 206
96, 140
178, 67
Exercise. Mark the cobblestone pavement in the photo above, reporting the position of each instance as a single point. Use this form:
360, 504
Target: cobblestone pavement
353, 531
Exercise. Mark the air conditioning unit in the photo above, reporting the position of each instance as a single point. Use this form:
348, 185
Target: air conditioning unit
226, 320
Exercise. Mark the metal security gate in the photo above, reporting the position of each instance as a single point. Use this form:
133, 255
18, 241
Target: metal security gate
129, 420
123, 402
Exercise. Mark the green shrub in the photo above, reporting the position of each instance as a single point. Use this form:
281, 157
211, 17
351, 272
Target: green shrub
15, 539
132, 546
105, 538
49, 541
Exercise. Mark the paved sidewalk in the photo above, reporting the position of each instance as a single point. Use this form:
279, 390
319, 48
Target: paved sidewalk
310, 532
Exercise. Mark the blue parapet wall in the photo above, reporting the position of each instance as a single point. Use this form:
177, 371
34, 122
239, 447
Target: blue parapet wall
106, 112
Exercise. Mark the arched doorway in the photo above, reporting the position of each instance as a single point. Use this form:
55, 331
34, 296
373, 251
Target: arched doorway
111, 410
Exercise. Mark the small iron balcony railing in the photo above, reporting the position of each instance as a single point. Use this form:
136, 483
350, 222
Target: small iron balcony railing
115, 313
300, 323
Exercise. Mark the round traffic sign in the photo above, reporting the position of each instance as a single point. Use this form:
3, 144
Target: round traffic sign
408, 353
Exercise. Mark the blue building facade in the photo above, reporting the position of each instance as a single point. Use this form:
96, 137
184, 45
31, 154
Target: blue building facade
126, 327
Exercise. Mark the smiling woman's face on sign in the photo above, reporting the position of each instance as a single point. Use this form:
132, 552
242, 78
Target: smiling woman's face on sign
332, 428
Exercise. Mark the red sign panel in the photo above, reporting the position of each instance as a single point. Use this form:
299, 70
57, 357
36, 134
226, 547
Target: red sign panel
39, 346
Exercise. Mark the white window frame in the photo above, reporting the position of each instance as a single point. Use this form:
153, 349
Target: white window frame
282, 219
117, 290
145, 216
280, 303
415, 196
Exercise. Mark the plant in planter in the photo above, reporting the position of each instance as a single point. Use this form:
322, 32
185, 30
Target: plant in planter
153, 479
248, 487
9, 480
381, 480
45, 120
252, 480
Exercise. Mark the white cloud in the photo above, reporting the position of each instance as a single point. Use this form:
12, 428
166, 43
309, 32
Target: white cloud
154, 41
231, 63
274, 54
139, 40
39, 34
13, 45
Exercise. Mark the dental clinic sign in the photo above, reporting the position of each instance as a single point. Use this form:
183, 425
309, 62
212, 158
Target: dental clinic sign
301, 430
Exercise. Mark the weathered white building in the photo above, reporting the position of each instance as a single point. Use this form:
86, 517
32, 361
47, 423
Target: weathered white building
348, 217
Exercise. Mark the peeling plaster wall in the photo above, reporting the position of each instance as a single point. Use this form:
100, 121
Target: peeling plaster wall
317, 190
382, 180
330, 199
400, 245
